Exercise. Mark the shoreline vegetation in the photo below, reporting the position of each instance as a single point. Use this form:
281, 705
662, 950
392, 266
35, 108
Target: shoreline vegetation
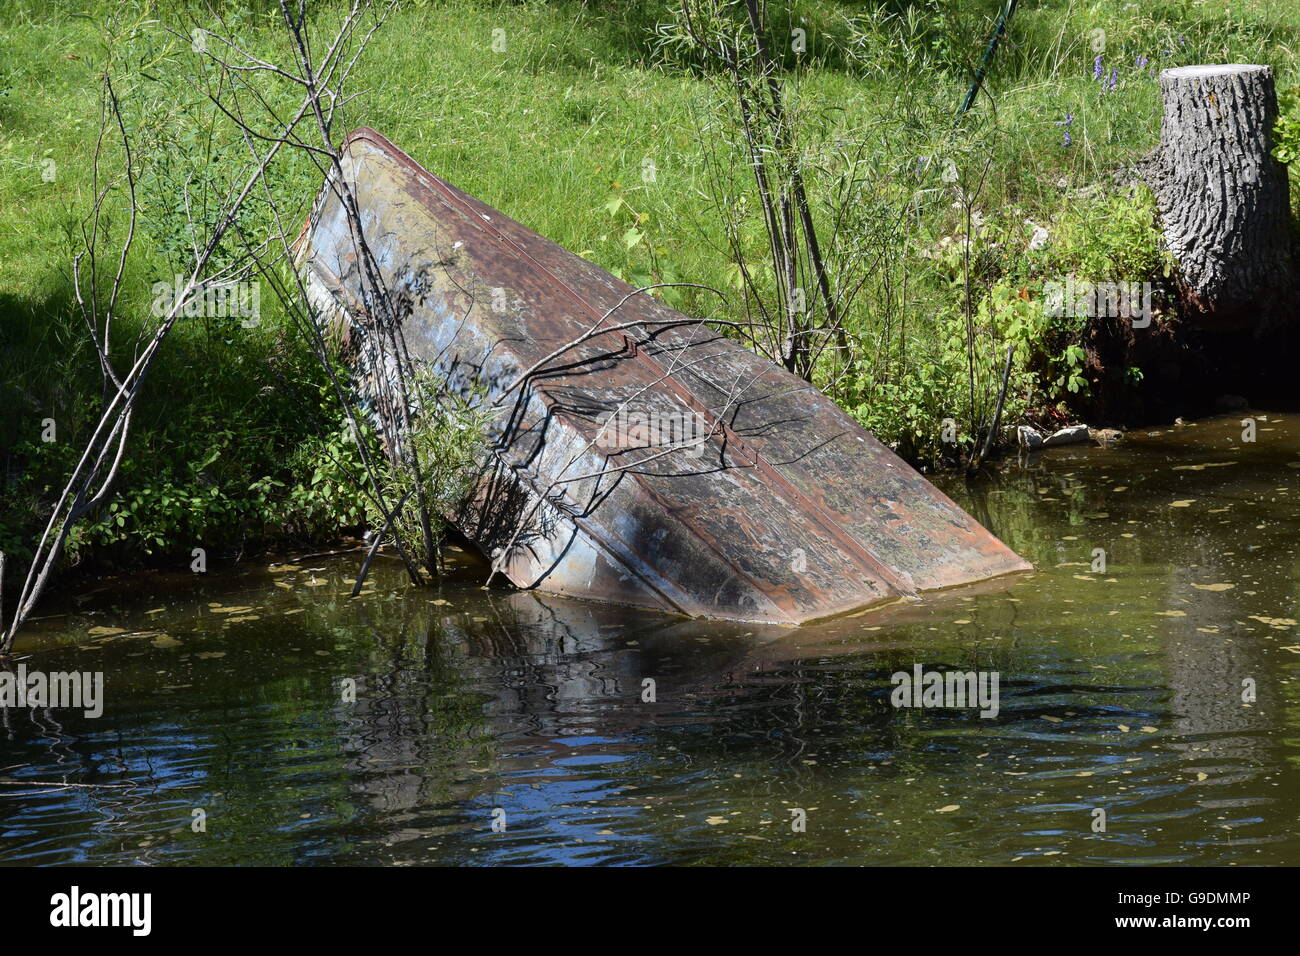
608, 133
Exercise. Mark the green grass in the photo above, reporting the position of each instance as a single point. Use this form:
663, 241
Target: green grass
550, 131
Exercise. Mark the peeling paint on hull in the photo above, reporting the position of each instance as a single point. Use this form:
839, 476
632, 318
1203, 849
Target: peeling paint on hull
775, 506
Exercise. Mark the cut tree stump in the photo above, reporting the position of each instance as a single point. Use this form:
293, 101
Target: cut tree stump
1222, 195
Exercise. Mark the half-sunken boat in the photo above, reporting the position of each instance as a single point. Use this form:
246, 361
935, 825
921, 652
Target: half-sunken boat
640, 457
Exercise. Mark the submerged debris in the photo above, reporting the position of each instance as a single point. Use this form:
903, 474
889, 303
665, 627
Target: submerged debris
638, 456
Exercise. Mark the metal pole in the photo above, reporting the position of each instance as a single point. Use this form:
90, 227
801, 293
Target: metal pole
998, 30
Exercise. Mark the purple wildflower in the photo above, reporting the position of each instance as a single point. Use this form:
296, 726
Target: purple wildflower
1065, 133
1096, 68
1141, 62
1114, 78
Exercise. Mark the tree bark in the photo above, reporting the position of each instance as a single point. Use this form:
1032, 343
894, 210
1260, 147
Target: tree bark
1222, 196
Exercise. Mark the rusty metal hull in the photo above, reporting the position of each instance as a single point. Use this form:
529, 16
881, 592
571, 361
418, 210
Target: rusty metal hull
657, 463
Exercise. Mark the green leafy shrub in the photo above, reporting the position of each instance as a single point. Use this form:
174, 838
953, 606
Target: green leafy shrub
443, 453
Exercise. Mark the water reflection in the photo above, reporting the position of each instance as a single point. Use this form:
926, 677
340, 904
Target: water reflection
1121, 689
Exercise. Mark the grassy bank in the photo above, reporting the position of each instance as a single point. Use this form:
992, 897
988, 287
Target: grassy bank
551, 112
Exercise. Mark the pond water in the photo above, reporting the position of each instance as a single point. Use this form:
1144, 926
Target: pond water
1120, 689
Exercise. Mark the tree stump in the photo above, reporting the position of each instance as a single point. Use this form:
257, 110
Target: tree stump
1222, 196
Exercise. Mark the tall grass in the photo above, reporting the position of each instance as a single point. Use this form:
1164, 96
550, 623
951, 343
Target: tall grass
549, 111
